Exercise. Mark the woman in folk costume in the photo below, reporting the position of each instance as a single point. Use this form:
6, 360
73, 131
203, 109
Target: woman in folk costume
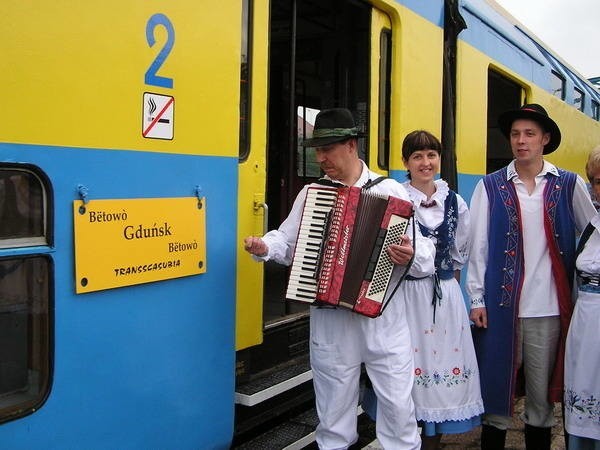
446, 391
582, 355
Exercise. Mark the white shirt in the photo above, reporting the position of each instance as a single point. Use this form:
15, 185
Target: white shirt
433, 216
588, 260
281, 242
538, 294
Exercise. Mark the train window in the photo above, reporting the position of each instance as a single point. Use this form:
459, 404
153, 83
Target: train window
558, 85
245, 71
24, 334
25, 290
307, 164
595, 110
578, 99
22, 209
385, 68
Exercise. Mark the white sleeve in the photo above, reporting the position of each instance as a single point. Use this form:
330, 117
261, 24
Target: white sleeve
588, 260
423, 263
583, 208
281, 242
478, 254
462, 240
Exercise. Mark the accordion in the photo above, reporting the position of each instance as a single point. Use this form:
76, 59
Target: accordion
340, 257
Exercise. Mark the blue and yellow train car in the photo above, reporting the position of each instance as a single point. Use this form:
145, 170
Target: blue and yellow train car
118, 186
141, 141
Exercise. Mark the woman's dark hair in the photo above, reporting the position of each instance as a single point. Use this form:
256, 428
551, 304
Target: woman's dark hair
420, 140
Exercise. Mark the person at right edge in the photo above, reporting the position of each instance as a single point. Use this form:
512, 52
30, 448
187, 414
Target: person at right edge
525, 218
582, 355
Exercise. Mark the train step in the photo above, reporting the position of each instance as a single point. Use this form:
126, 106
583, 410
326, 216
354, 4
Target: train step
272, 383
296, 433
275, 410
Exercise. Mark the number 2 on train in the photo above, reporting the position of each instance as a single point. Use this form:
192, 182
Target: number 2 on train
151, 78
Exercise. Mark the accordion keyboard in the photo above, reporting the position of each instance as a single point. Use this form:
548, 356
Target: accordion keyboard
302, 284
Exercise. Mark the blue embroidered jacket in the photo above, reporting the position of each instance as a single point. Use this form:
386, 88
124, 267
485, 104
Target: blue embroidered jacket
496, 345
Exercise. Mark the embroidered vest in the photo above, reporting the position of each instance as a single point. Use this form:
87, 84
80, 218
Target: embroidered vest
504, 276
445, 235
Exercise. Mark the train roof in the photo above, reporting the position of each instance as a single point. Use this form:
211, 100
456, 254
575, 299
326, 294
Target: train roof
483, 16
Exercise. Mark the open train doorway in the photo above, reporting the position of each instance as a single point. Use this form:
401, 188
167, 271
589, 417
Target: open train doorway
318, 58
503, 95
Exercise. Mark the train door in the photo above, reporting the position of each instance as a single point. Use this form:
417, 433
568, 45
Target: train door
319, 58
321, 54
503, 95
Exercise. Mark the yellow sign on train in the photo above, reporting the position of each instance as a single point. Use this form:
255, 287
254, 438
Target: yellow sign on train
132, 241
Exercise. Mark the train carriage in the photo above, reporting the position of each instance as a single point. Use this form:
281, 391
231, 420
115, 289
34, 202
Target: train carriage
140, 142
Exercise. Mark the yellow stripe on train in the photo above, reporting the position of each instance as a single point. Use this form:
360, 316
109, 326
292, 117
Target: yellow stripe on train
77, 75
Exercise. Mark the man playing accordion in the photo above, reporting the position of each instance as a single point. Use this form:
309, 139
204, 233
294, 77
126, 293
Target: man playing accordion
340, 340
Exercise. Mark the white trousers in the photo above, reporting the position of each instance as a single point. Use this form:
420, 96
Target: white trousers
340, 341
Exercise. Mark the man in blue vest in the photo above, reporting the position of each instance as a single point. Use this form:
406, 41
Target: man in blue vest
524, 222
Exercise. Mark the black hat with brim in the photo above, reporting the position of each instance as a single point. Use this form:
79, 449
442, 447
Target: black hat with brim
331, 126
537, 113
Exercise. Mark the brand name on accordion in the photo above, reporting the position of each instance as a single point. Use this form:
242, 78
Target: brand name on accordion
344, 247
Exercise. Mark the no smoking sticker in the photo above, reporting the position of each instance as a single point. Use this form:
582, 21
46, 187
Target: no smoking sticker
157, 116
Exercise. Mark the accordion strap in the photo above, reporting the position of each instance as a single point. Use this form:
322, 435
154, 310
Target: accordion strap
369, 184
327, 182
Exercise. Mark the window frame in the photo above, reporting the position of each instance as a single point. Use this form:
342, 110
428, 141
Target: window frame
578, 101
558, 76
39, 317
595, 111
384, 112
47, 237
245, 107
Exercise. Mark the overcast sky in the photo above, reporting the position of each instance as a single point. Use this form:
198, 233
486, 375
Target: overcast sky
569, 27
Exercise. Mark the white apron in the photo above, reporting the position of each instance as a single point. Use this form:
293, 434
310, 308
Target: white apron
582, 368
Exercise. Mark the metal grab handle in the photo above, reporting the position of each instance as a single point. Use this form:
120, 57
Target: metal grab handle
265, 207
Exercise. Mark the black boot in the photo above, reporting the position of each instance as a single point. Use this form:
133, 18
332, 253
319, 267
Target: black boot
492, 438
537, 438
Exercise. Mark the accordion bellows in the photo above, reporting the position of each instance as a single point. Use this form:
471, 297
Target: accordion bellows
340, 257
